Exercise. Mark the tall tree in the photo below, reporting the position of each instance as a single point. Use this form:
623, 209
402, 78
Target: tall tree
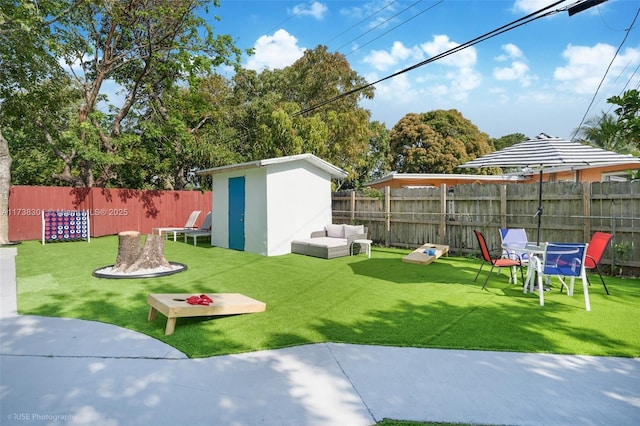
145, 47
436, 142
507, 140
319, 76
5, 181
377, 159
270, 122
619, 132
628, 113
186, 129
24, 61
602, 131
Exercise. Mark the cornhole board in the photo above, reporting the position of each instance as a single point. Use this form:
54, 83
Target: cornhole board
175, 306
419, 257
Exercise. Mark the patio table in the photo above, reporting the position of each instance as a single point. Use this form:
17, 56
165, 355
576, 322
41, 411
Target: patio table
536, 254
534, 267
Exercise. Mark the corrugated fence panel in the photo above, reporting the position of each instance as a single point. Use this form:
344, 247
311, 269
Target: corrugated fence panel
111, 210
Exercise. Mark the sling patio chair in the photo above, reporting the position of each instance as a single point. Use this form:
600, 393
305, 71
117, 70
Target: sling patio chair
595, 250
515, 235
203, 231
565, 260
189, 224
499, 261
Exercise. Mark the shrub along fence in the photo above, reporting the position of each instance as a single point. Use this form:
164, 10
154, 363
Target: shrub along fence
111, 210
410, 217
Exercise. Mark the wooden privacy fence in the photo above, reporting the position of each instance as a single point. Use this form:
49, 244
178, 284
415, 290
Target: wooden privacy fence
111, 210
409, 217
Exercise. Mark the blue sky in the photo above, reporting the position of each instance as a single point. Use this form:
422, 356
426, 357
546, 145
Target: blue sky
540, 77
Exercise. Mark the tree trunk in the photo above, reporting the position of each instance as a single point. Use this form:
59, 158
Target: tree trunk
129, 250
5, 185
152, 255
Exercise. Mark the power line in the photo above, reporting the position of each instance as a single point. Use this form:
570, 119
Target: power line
363, 20
293, 15
380, 24
620, 74
584, 117
508, 27
400, 24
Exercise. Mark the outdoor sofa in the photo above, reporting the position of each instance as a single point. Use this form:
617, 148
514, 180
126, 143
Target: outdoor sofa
333, 241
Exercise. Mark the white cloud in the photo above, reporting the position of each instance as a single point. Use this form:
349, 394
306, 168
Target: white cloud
378, 13
398, 90
441, 43
383, 60
511, 52
463, 78
462, 81
433, 83
586, 66
277, 51
517, 70
316, 10
529, 6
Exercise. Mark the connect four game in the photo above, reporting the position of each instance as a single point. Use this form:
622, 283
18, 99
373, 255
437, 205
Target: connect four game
65, 225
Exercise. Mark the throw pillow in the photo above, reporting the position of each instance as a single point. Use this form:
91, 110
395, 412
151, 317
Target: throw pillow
352, 230
335, 231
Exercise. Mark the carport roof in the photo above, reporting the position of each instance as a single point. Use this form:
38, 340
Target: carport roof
399, 180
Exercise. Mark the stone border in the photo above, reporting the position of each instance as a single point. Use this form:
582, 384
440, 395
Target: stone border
97, 274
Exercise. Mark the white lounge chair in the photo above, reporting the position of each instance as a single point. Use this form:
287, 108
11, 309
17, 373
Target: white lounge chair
203, 231
189, 224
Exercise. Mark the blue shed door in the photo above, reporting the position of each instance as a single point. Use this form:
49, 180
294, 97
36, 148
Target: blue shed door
236, 213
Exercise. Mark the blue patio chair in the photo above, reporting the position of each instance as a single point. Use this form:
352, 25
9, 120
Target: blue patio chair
565, 260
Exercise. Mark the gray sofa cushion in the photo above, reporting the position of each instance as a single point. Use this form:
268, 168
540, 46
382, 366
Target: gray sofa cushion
324, 246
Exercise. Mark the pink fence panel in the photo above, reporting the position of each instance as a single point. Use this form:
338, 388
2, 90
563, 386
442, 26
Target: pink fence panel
111, 210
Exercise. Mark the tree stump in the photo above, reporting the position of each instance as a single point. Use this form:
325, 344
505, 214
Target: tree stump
152, 255
129, 250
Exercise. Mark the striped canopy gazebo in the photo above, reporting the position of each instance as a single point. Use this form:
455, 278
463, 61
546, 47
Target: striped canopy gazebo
548, 151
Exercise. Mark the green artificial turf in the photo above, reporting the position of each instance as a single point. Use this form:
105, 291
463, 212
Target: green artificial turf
379, 301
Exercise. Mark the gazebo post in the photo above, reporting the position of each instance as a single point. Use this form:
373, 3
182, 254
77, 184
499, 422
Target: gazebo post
539, 211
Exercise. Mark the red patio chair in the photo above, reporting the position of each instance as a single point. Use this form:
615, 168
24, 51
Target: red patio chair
595, 250
496, 262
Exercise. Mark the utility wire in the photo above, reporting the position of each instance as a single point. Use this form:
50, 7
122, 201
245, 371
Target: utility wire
584, 117
293, 15
391, 29
508, 27
380, 24
363, 20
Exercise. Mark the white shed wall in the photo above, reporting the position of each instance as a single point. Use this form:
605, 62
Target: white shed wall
220, 211
298, 203
255, 213
283, 202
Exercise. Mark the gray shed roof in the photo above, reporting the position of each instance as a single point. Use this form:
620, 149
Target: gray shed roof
310, 158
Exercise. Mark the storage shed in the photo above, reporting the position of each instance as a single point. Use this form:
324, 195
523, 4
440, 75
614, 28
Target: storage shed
261, 206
